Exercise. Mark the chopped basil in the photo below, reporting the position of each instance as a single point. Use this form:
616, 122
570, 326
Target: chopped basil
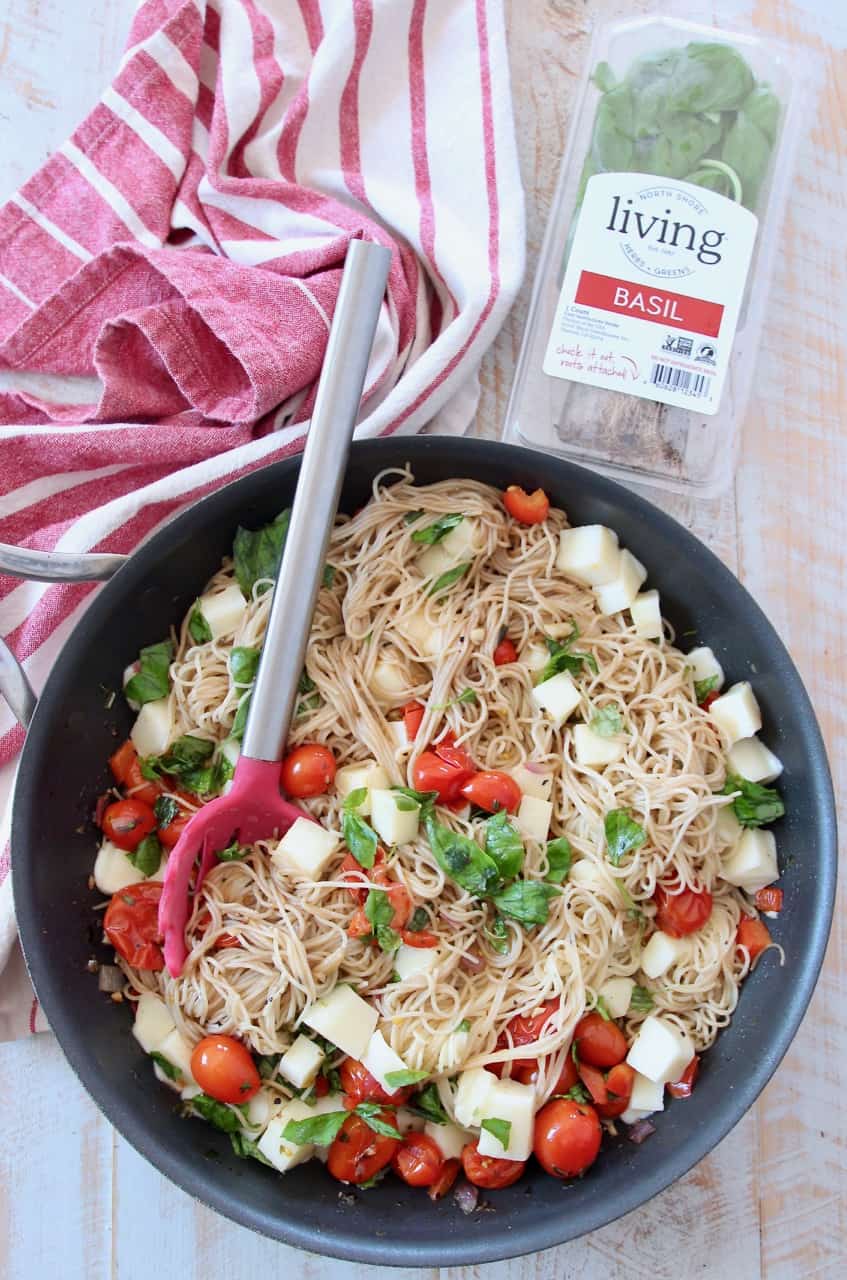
563, 659
328, 575
198, 627
503, 845
622, 834
405, 804
166, 1066
464, 1025
246, 1148
399, 1079
462, 858
467, 695
374, 1181
448, 579
370, 1112
239, 724
320, 1130
305, 684
499, 1129
606, 722
419, 920
602, 1008
641, 1000
702, 688
146, 857
165, 809
632, 911
380, 913
428, 1104
755, 805
189, 760
217, 1113
411, 516
576, 1093
151, 681
559, 858
497, 934
267, 1064
435, 532
360, 839
256, 552
243, 662
426, 799
234, 852
527, 901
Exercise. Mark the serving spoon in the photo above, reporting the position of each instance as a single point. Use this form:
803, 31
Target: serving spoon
255, 809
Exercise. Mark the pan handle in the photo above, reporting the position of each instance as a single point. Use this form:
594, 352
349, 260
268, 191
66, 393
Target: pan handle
43, 566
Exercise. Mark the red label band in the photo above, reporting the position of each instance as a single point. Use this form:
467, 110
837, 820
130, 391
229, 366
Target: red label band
673, 310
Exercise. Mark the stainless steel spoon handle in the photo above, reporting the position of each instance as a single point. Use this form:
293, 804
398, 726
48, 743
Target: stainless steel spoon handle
316, 499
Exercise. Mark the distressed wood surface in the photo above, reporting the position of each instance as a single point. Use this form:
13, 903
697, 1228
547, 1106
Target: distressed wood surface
769, 1202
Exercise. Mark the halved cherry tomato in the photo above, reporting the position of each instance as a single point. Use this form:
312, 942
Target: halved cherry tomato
453, 754
321, 1086
595, 1083
127, 822
224, 941
358, 1153
492, 790
360, 1086
598, 1042
413, 714
754, 935
527, 508
170, 833
431, 772
681, 913
525, 1028
131, 924
505, 653
353, 871
769, 899
359, 926
490, 1172
224, 1069
449, 1173
684, 1086
567, 1137
568, 1075
619, 1083
308, 771
418, 1161
420, 938
126, 770
709, 699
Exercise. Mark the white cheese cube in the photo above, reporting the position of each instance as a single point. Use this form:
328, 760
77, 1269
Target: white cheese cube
590, 554
343, 1018
471, 1103
178, 1052
394, 817
301, 1062
397, 730
558, 696
223, 610
660, 953
379, 1058
281, 1153
647, 1095
434, 561
407, 1122
632, 1115
593, 750
539, 785
533, 818
704, 665
153, 1022
463, 541
619, 594
586, 873
660, 1051
727, 827
514, 1103
426, 639
151, 732
260, 1108
751, 759
113, 869
410, 961
356, 777
646, 614
453, 1051
306, 847
388, 681
450, 1139
616, 994
751, 863
736, 713
535, 656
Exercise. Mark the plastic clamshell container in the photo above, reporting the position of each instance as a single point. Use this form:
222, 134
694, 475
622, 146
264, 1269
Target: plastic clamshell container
690, 446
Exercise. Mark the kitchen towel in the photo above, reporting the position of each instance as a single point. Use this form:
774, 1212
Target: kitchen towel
168, 278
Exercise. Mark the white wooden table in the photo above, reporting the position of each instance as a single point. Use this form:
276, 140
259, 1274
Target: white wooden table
75, 1201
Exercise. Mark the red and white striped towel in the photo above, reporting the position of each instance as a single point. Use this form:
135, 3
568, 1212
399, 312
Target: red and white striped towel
168, 278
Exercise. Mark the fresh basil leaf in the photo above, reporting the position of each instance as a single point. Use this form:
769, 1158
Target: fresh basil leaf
146, 857
189, 760
380, 913
246, 1148
602, 1008
435, 532
428, 1104
464, 1025
308, 704
239, 724
755, 805
419, 920
152, 680
234, 852
499, 1129
527, 901
399, 1079
328, 577
702, 688
467, 695
622, 834
321, 1130
198, 627
305, 684
360, 839
563, 659
559, 858
217, 1113
448, 579
256, 553
166, 1066
497, 934
426, 799
370, 1112
576, 1093
641, 1000
243, 664
411, 516
462, 859
165, 809
267, 1064
606, 722
405, 804
632, 911
503, 845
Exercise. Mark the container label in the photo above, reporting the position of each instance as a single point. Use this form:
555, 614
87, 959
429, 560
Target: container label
652, 290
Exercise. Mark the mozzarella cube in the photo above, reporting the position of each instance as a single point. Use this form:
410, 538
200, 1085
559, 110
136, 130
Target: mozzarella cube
282, 1153
388, 681
380, 1059
727, 827
647, 1095
343, 1018
178, 1052
453, 1051
449, 1138
397, 730
394, 817
153, 1022
646, 614
151, 732
514, 1103
425, 638
260, 1109
632, 1115
463, 541
410, 961
660, 953
306, 847
588, 875
616, 994
535, 656
593, 750
301, 1062
660, 1051
619, 593
434, 561
558, 696
538, 785
471, 1103
590, 554
114, 871
407, 1121
223, 610
365, 776
752, 863
751, 759
533, 818
736, 713
704, 665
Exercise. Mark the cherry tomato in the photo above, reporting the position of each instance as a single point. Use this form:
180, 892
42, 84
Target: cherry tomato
418, 1161
568, 1076
131, 924
321, 1086
709, 699
684, 1086
421, 938
127, 822
431, 772
360, 1086
358, 1153
682, 913
224, 1069
351, 870
505, 653
453, 754
619, 1083
769, 899
567, 1137
413, 714
170, 833
525, 1028
598, 1042
490, 1172
491, 790
449, 1173
526, 508
308, 771
359, 926
126, 770
595, 1083
754, 935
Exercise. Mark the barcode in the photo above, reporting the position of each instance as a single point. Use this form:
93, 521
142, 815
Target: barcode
667, 375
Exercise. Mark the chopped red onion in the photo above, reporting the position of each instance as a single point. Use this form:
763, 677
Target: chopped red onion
472, 963
641, 1130
532, 766
466, 1196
